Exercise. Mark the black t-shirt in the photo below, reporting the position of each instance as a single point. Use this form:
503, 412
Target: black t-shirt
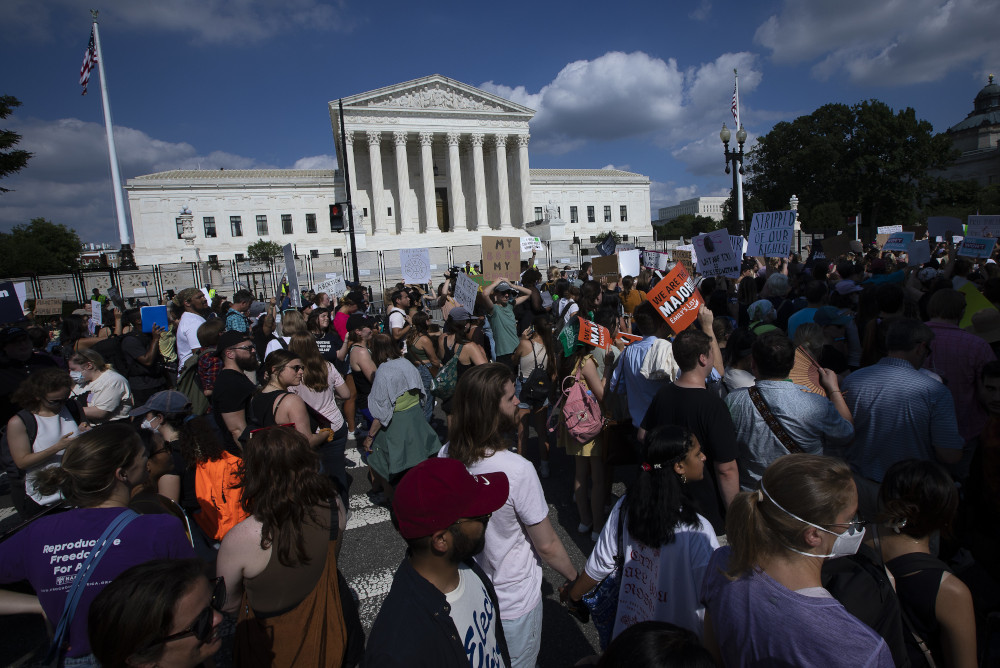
707, 417
231, 394
141, 376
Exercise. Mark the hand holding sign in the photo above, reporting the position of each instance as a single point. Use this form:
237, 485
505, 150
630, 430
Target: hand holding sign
771, 234
676, 299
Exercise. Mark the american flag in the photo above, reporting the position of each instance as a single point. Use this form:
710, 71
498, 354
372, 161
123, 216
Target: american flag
89, 60
736, 102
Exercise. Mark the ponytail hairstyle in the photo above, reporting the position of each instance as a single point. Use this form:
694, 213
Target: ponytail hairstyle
590, 293
656, 505
814, 487
317, 373
275, 362
627, 283
419, 322
86, 474
90, 356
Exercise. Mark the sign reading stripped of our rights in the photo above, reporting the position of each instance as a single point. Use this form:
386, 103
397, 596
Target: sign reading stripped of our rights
676, 299
771, 234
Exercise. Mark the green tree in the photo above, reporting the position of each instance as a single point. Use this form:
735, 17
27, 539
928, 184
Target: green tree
687, 225
40, 247
11, 161
263, 251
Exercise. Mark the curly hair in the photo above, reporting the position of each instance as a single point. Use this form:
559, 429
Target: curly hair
32, 390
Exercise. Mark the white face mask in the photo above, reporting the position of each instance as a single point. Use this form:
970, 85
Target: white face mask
847, 543
148, 424
76, 376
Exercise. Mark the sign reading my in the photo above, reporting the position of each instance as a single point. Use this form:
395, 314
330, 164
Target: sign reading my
501, 257
676, 299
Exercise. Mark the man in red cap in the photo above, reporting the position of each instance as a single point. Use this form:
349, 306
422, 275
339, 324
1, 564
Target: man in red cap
442, 609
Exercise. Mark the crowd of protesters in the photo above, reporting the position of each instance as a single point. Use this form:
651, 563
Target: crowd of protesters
183, 491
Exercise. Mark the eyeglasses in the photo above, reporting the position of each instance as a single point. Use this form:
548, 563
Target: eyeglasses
260, 429
247, 348
479, 518
853, 527
202, 626
296, 368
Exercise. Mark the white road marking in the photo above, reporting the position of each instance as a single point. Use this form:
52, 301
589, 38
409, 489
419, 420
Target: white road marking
364, 512
353, 456
7, 512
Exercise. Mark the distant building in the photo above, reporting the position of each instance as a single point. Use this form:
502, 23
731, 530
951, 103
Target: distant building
699, 206
99, 255
978, 139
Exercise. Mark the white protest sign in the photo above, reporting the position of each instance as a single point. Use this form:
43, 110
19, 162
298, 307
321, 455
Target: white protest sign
21, 290
416, 265
899, 241
655, 259
95, 312
139, 291
628, 262
940, 226
739, 245
918, 252
564, 260
293, 279
715, 254
529, 244
771, 234
977, 247
890, 229
465, 291
334, 285
983, 226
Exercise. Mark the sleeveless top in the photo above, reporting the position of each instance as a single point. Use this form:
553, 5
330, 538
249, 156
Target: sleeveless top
918, 578
361, 382
265, 404
449, 352
527, 363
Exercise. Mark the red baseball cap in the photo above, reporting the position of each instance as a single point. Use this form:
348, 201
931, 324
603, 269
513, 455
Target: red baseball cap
437, 492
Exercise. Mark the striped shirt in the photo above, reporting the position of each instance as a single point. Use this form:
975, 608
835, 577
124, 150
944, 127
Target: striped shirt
899, 413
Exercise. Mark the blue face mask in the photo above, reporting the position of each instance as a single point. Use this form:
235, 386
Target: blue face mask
77, 377
847, 543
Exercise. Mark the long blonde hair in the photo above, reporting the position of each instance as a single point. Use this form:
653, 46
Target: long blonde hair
293, 322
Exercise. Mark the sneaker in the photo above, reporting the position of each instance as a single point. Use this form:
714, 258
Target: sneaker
583, 528
351, 437
594, 535
543, 470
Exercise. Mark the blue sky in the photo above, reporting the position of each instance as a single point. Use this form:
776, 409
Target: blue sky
642, 86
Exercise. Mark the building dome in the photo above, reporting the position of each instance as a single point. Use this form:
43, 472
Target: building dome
986, 110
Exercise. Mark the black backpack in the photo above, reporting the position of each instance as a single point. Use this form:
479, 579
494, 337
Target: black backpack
537, 387
111, 350
30, 426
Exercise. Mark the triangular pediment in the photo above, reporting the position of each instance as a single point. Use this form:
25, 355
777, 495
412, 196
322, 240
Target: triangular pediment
434, 93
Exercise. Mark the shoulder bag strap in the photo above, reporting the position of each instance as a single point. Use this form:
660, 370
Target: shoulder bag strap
772, 421
620, 554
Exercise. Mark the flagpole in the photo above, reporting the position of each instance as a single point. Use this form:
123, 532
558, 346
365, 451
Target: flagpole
739, 175
125, 258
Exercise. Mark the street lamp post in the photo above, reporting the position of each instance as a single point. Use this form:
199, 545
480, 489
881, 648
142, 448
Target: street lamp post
793, 204
188, 234
736, 159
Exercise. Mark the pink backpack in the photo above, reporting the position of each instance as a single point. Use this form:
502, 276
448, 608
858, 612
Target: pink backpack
581, 411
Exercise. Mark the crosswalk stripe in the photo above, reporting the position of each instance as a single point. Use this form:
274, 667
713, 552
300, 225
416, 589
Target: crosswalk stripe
353, 456
7, 512
373, 584
364, 512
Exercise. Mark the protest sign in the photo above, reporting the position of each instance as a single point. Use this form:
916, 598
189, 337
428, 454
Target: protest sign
983, 226
501, 257
10, 304
676, 299
942, 226
605, 266
626, 339
116, 298
881, 240
465, 291
684, 258
834, 247
530, 244
594, 334
976, 247
153, 315
607, 247
771, 234
739, 245
141, 292
416, 265
628, 262
890, 229
715, 254
48, 306
655, 259
293, 280
918, 252
898, 241
334, 286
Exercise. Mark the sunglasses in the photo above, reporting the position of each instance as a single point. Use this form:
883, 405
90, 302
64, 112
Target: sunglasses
247, 348
479, 518
290, 425
202, 626
296, 368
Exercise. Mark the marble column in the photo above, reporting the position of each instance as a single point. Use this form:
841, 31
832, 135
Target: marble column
403, 184
458, 217
524, 175
375, 162
503, 190
349, 165
479, 173
427, 174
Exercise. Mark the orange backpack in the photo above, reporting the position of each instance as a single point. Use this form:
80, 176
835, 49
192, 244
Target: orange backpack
214, 483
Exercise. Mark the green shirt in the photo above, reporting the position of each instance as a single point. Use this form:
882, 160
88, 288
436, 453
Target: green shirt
504, 326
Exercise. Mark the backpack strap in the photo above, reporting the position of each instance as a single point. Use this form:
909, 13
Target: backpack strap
31, 424
772, 421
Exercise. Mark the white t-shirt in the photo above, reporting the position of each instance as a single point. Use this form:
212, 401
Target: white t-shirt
110, 392
187, 337
50, 430
661, 584
509, 559
397, 320
274, 344
570, 312
475, 618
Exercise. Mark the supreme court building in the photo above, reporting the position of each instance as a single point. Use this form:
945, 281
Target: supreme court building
432, 162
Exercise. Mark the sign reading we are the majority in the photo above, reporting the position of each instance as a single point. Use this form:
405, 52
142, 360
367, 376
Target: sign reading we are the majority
501, 257
593, 334
676, 299
771, 234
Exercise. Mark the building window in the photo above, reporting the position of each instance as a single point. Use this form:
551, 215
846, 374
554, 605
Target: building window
236, 226
213, 259
261, 226
286, 223
607, 214
364, 211
239, 257
180, 228
311, 223
623, 213
209, 227
389, 212
538, 213
573, 216
590, 215
313, 253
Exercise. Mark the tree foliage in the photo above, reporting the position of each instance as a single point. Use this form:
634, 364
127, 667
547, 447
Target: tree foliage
863, 158
11, 161
263, 251
40, 247
687, 225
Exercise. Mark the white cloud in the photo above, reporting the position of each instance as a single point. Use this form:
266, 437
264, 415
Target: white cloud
201, 20
895, 42
316, 162
702, 12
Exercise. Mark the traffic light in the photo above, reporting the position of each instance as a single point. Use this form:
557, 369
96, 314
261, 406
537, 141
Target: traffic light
337, 217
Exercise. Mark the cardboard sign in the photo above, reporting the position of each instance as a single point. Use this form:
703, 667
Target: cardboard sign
881, 240
771, 234
834, 247
942, 226
626, 339
918, 252
977, 247
10, 304
416, 265
715, 254
465, 291
983, 226
95, 312
501, 257
333, 286
593, 334
655, 260
605, 266
683, 257
676, 299
293, 280
153, 315
890, 229
48, 306
628, 262
531, 244
899, 241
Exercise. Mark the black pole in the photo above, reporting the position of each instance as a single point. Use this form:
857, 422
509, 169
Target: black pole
347, 185
736, 193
